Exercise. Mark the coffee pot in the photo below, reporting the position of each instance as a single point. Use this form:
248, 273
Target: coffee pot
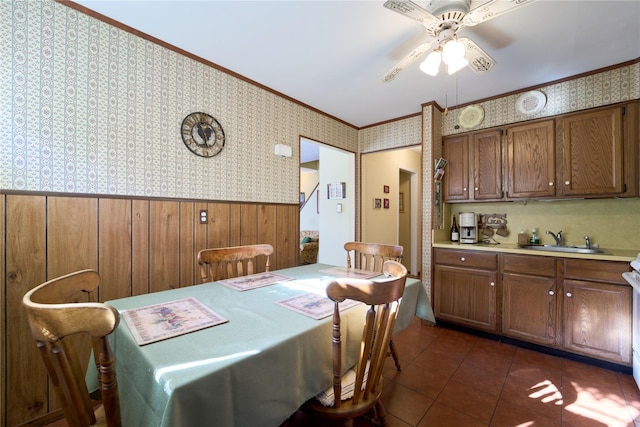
468, 227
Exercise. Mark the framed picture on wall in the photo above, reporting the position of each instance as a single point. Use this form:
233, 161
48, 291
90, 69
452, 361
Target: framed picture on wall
377, 203
386, 203
385, 188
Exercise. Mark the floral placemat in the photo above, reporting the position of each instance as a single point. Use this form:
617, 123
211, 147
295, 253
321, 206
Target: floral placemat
169, 319
253, 281
350, 272
314, 305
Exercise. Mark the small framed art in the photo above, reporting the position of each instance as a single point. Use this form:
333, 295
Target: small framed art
385, 188
377, 203
386, 203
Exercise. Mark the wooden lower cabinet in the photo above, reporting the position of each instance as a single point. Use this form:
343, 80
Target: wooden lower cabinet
465, 288
597, 310
529, 302
575, 305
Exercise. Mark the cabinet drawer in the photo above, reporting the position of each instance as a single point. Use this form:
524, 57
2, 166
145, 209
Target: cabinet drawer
469, 259
530, 265
601, 271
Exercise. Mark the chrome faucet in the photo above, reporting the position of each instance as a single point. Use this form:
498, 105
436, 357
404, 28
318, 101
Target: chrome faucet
557, 237
587, 242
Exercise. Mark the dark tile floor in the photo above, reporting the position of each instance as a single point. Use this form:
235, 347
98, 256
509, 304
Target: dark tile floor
451, 378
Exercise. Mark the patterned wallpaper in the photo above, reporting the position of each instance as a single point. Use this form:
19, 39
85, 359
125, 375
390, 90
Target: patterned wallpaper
89, 108
396, 134
595, 90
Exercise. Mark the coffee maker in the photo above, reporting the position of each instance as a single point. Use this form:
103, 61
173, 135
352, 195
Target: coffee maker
468, 227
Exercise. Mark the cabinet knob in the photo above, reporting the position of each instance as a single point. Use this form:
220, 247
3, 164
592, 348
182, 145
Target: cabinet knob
551, 184
567, 182
464, 189
476, 188
492, 284
463, 259
569, 294
552, 293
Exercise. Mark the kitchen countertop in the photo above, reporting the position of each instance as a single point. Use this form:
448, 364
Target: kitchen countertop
627, 255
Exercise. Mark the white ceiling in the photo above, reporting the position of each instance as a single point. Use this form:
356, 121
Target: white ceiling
331, 55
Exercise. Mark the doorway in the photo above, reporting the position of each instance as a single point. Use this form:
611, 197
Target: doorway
391, 203
333, 217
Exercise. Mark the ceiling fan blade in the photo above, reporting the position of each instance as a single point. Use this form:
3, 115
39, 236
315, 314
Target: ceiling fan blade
406, 61
491, 9
479, 60
411, 10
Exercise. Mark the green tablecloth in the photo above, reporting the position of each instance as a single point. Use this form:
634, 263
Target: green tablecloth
254, 370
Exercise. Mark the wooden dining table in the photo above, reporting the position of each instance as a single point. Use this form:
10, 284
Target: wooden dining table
254, 370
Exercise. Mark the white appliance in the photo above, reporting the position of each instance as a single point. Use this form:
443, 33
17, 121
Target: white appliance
468, 227
632, 278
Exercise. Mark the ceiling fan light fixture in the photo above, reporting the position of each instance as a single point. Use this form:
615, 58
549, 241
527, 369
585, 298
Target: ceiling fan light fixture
458, 65
452, 52
431, 65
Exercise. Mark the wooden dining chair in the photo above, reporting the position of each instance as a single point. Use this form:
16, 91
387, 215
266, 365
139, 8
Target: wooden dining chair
235, 261
371, 256
54, 319
359, 390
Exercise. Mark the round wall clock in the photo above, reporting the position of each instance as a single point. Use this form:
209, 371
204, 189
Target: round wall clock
202, 134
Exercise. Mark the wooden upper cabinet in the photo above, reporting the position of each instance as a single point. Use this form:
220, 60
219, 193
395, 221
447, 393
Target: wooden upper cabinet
592, 153
486, 154
474, 168
531, 154
456, 177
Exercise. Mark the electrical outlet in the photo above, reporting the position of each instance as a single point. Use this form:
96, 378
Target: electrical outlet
203, 217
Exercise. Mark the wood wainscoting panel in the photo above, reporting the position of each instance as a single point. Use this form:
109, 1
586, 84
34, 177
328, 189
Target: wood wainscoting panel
234, 225
72, 235
26, 267
164, 245
267, 231
114, 248
140, 247
288, 236
218, 231
188, 222
248, 224
72, 245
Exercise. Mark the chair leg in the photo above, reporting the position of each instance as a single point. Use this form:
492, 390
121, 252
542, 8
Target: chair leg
381, 415
394, 353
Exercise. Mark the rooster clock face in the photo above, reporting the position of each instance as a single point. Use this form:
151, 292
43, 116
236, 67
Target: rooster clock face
202, 134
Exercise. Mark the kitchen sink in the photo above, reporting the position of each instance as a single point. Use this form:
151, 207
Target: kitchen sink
571, 249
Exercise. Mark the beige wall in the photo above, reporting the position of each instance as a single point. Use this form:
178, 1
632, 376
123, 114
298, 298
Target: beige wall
380, 169
611, 223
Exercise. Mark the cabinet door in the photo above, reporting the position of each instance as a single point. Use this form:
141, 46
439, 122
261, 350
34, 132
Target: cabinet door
466, 297
456, 177
597, 320
531, 170
592, 154
487, 165
529, 308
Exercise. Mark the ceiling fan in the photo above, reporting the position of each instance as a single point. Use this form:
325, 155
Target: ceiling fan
442, 20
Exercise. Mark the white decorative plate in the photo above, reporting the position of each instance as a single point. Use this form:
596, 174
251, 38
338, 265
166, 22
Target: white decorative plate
471, 116
531, 102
